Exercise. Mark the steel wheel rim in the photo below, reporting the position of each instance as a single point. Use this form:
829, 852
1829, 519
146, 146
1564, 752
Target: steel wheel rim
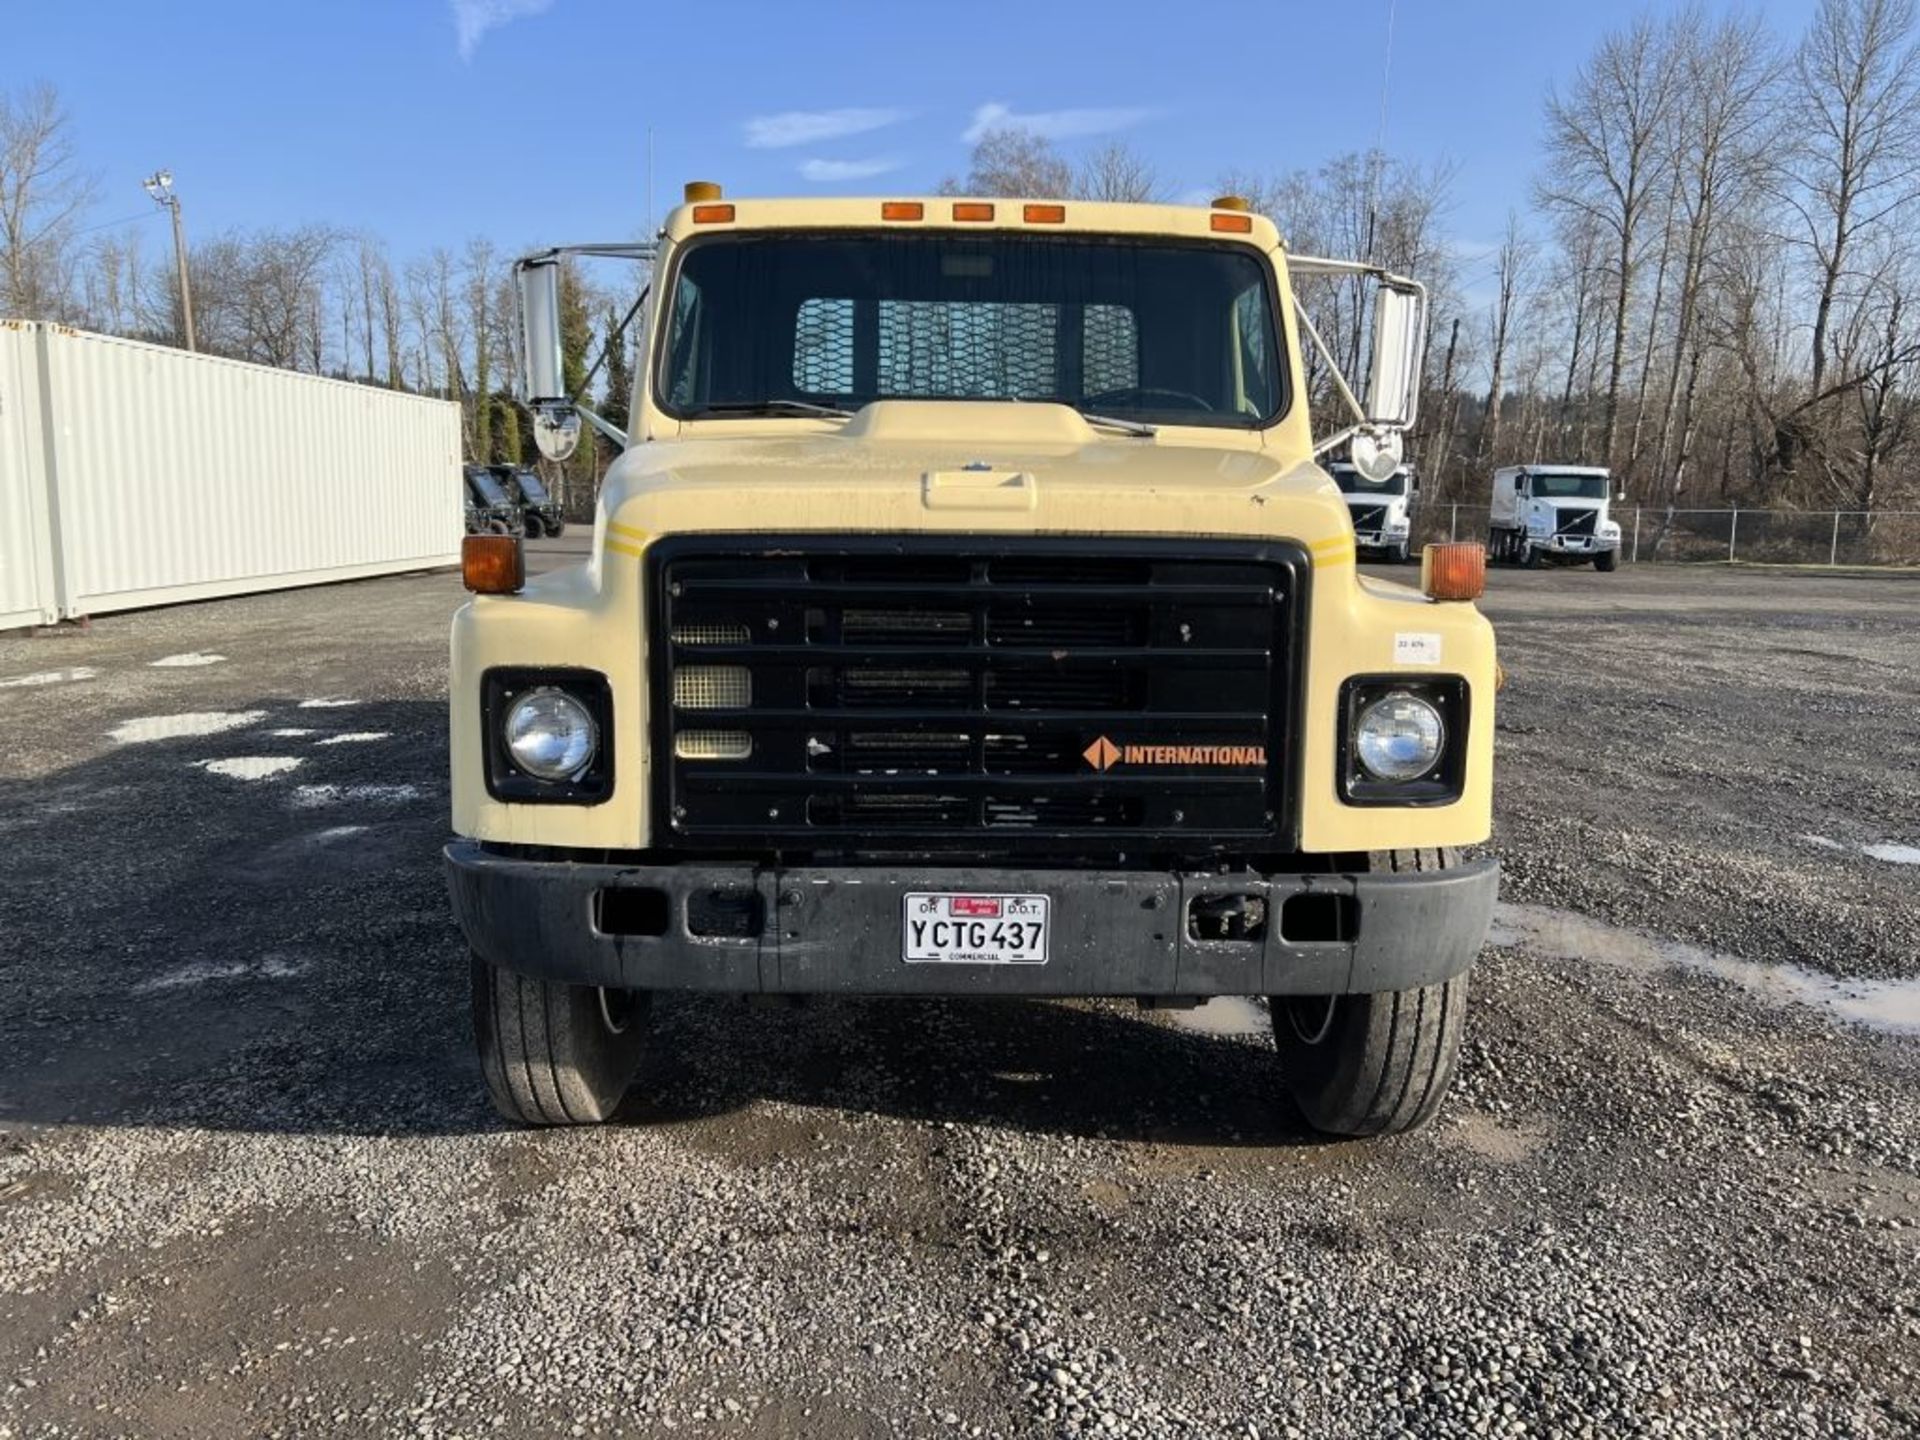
1310, 1017
616, 1009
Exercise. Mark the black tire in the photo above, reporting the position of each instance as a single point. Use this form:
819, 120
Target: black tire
1607, 560
533, 527
498, 527
552, 1053
556, 528
1529, 556
1373, 1064
1400, 553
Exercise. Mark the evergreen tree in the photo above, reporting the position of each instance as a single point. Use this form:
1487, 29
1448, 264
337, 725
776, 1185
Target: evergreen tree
619, 375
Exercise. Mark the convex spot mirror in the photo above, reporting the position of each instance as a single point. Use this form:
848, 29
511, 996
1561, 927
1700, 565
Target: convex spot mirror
1375, 455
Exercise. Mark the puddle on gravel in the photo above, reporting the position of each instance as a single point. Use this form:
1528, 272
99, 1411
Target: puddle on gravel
1223, 1015
1891, 1005
1894, 854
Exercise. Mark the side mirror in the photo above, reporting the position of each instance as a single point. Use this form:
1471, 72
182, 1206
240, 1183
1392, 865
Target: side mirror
556, 425
1399, 348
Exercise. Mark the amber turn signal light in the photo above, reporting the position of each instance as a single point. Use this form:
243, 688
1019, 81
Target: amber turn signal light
712, 214
972, 210
902, 210
1045, 214
1233, 223
1455, 570
493, 564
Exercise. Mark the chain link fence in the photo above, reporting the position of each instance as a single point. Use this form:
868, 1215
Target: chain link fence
1765, 537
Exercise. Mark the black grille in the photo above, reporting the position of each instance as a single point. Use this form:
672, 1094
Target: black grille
1577, 522
850, 695
1369, 517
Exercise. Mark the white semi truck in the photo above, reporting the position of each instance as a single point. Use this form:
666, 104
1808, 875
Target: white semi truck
1382, 510
1553, 512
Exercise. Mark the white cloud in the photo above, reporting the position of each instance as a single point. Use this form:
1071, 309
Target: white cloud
472, 19
827, 172
810, 127
1051, 124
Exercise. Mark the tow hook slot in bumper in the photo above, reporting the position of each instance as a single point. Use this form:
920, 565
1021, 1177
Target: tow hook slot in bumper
1227, 917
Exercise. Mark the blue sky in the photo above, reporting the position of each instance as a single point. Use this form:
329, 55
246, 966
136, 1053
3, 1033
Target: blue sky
428, 121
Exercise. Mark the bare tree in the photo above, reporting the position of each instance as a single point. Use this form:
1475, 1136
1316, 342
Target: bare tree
1857, 116
1014, 162
1512, 271
1607, 161
1116, 171
42, 195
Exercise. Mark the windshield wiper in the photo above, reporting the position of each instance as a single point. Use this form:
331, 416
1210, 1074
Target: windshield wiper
1125, 427
768, 407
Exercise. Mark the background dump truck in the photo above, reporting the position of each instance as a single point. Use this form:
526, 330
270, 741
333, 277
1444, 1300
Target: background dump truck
967, 615
1382, 510
1553, 512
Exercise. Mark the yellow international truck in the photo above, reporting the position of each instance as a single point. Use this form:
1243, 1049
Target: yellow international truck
967, 615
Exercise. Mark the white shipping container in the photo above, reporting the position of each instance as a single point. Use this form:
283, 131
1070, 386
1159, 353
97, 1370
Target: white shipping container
167, 476
26, 577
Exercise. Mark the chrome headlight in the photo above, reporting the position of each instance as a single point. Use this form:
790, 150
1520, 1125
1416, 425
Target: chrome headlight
1399, 737
550, 735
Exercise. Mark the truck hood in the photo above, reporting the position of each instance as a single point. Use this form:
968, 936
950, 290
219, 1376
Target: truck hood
966, 466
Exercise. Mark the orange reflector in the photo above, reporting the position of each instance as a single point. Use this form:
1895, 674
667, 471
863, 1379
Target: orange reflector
712, 214
972, 210
1234, 221
1455, 570
492, 564
902, 210
1046, 214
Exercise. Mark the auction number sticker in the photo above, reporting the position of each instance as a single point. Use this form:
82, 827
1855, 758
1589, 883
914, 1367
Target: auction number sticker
949, 929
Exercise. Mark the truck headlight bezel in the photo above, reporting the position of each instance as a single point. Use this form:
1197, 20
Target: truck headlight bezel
501, 689
1442, 782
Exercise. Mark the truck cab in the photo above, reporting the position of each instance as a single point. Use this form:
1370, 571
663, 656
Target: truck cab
1382, 510
1558, 513
967, 614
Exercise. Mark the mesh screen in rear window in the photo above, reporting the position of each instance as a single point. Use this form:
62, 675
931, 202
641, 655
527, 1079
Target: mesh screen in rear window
962, 348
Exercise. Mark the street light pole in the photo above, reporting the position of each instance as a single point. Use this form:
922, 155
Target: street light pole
160, 186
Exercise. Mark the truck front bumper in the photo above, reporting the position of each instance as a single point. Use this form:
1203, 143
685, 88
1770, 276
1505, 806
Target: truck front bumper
745, 928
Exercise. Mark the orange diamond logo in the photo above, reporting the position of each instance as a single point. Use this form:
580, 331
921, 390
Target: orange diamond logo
1102, 753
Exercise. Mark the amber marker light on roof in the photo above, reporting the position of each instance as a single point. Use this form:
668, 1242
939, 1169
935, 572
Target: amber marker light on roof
1046, 214
902, 210
698, 190
972, 210
1233, 222
1454, 570
492, 564
712, 214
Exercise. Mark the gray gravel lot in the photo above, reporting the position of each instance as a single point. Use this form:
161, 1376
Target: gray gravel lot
249, 1185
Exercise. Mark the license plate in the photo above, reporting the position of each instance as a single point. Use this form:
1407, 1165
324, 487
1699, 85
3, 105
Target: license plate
974, 929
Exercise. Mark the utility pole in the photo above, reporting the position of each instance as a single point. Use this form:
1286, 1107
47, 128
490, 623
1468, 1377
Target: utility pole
160, 186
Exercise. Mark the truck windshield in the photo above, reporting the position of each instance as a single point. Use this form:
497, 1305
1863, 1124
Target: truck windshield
1569, 487
1354, 483
1149, 330
531, 487
487, 488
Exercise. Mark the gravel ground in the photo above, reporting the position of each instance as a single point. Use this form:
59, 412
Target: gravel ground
248, 1185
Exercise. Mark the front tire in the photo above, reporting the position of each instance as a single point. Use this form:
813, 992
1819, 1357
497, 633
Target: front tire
1607, 560
534, 528
553, 1053
1373, 1064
